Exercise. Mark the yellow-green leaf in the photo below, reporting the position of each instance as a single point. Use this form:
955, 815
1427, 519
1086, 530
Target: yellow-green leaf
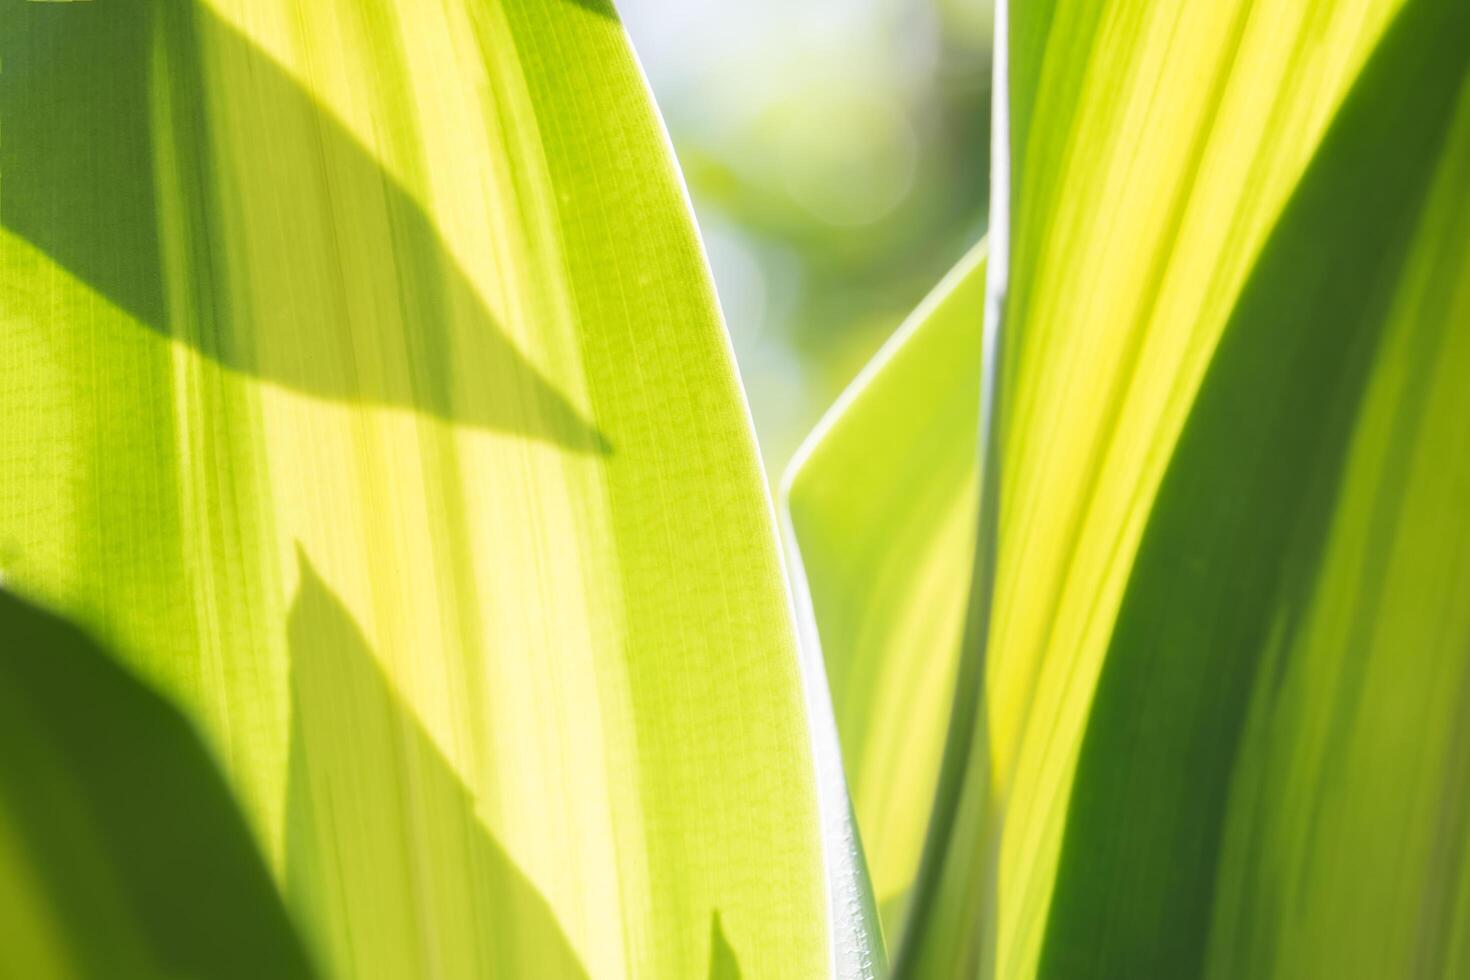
364, 388
1155, 147
1154, 189
1272, 779
881, 504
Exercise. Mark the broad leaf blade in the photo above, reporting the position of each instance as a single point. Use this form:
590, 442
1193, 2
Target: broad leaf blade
1153, 148
404, 307
1272, 781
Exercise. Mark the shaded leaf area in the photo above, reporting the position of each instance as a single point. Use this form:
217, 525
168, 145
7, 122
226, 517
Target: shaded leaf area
122, 852
723, 963
327, 278
421, 886
1229, 580
603, 8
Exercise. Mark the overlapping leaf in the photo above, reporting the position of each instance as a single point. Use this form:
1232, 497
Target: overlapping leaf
881, 502
1192, 252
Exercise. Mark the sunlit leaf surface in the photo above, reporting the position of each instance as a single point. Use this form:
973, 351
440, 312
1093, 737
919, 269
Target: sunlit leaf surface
365, 389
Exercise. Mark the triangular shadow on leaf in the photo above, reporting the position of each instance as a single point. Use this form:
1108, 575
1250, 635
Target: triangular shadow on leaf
723, 963
387, 859
304, 263
144, 864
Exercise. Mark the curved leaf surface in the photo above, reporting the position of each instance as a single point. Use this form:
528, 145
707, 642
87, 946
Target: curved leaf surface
881, 504
1271, 783
409, 294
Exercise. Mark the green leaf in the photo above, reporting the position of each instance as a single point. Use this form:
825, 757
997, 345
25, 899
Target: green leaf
368, 347
881, 505
1272, 779
1158, 156
1155, 147
121, 850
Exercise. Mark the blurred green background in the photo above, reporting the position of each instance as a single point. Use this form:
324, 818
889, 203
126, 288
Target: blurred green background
837, 154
